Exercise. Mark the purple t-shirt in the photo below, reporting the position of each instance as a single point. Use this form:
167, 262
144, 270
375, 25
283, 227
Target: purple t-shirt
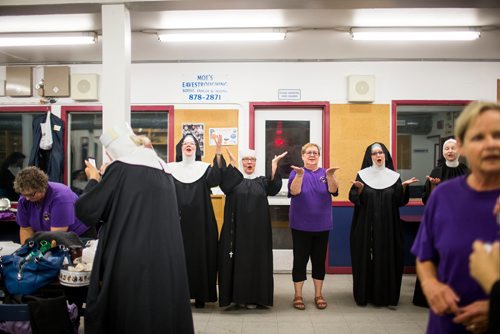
311, 210
454, 217
57, 209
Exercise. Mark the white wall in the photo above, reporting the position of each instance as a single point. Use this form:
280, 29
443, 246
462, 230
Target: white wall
318, 81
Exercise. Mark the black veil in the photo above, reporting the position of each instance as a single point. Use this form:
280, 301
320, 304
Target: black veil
367, 159
178, 148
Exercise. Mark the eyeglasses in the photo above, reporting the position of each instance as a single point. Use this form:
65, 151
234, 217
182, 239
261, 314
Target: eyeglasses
311, 153
30, 195
188, 144
249, 159
378, 153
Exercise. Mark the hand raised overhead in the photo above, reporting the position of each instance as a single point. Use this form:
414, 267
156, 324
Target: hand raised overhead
232, 159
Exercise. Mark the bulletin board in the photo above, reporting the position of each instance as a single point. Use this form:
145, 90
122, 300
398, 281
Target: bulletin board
211, 118
352, 128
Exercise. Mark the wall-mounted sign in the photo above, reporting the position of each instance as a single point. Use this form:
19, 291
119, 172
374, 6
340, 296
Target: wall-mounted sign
204, 87
229, 135
289, 94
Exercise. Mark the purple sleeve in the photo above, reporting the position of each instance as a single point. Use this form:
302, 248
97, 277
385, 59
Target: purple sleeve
22, 217
423, 247
62, 214
290, 179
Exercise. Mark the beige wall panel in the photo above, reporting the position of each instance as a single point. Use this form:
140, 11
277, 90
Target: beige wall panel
352, 128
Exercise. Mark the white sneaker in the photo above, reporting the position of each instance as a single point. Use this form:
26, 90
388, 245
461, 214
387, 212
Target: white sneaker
251, 306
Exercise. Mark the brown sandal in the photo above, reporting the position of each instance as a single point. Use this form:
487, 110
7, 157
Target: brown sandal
320, 302
298, 303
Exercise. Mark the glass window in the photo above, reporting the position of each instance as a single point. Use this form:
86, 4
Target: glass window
284, 136
421, 132
86, 128
16, 140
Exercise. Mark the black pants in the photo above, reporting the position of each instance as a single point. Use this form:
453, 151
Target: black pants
309, 245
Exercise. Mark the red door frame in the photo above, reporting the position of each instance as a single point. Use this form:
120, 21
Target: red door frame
324, 105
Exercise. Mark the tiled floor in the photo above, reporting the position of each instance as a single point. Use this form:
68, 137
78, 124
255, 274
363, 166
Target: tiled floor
341, 316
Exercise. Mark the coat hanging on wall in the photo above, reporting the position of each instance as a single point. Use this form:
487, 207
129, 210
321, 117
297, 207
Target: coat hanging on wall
47, 152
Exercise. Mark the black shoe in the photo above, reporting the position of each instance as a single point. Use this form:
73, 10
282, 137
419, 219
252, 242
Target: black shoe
199, 304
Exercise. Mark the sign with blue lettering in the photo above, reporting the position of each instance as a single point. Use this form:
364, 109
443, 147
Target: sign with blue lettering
204, 87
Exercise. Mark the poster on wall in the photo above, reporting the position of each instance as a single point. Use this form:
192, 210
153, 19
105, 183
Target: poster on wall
229, 135
198, 131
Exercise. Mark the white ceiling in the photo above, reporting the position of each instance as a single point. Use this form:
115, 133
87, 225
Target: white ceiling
317, 29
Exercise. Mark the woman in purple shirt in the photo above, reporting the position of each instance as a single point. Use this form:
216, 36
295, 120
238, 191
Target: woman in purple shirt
457, 213
46, 206
311, 189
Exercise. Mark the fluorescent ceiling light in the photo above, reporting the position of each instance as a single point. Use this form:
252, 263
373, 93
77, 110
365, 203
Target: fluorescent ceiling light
47, 38
414, 34
211, 35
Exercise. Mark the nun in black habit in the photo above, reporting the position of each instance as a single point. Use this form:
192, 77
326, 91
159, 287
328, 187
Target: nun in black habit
448, 169
138, 282
376, 233
246, 244
193, 180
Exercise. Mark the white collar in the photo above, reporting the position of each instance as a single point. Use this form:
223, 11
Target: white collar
378, 178
249, 176
143, 156
452, 164
187, 171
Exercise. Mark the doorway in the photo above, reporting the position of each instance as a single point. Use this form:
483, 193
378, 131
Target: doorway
279, 127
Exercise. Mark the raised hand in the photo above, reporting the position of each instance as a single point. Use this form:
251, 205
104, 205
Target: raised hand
277, 158
433, 180
331, 171
410, 181
298, 170
218, 143
91, 171
232, 159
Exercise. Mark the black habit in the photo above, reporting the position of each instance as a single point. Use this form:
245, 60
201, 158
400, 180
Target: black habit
138, 282
376, 240
50, 161
199, 232
444, 173
246, 244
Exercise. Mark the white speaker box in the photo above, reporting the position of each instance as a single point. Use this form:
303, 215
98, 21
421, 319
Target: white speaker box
361, 88
84, 87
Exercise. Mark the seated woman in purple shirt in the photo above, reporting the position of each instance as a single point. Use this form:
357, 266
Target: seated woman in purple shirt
46, 206
311, 189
